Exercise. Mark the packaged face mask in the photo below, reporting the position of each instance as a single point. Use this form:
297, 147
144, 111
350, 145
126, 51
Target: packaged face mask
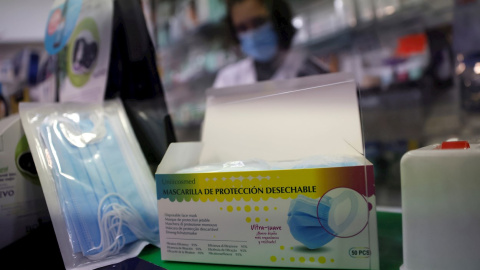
312, 222
266, 187
84, 55
317, 161
314, 212
248, 165
101, 192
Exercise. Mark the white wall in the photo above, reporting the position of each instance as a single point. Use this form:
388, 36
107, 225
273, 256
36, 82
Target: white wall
23, 21
22, 25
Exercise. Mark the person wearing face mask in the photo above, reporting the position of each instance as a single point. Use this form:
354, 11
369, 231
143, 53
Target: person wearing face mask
264, 33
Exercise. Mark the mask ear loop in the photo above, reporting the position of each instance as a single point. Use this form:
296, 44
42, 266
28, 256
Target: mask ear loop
339, 228
111, 218
80, 138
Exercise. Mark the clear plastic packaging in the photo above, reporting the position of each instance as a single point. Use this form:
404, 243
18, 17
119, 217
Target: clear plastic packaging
99, 189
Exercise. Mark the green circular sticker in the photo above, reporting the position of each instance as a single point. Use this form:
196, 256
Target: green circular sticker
82, 53
24, 161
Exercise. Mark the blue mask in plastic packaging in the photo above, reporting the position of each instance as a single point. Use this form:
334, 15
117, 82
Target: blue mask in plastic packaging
101, 203
313, 223
261, 44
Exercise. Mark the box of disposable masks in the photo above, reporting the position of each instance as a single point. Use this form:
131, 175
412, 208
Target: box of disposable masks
22, 203
279, 179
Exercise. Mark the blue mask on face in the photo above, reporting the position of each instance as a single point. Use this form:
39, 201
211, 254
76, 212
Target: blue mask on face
261, 44
103, 206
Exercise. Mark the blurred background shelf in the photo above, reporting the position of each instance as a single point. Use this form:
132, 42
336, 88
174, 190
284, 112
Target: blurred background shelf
399, 51
194, 44
416, 64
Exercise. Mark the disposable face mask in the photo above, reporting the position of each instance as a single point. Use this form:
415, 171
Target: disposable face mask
262, 165
261, 44
327, 162
314, 223
84, 55
102, 204
232, 166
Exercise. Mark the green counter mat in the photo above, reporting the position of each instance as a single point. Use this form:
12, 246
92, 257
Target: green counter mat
389, 238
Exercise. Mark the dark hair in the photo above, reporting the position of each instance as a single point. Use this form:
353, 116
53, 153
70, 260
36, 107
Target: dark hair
280, 15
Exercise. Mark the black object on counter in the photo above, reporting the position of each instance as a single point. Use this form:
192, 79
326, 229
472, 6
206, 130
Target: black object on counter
133, 76
37, 250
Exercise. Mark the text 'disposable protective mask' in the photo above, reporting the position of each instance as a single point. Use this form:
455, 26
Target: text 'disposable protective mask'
101, 182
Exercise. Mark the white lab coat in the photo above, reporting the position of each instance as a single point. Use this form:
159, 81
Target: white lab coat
243, 71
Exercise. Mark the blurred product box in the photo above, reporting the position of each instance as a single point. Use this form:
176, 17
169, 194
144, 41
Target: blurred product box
22, 203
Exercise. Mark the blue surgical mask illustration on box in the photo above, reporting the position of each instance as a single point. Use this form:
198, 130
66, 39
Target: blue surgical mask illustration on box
101, 200
315, 222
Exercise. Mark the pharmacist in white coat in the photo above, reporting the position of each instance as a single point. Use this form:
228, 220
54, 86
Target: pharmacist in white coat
263, 30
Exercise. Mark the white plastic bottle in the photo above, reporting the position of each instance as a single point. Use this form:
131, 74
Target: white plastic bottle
441, 207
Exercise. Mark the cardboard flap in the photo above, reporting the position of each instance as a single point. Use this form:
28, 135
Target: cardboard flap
179, 156
282, 120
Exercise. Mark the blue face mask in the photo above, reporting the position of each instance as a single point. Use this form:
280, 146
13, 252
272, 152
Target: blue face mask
313, 223
100, 200
304, 224
261, 44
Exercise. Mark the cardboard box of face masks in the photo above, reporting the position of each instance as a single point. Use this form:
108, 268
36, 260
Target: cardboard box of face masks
308, 218
22, 203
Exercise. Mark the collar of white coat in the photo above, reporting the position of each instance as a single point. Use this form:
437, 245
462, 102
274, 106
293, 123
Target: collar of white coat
292, 63
243, 71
